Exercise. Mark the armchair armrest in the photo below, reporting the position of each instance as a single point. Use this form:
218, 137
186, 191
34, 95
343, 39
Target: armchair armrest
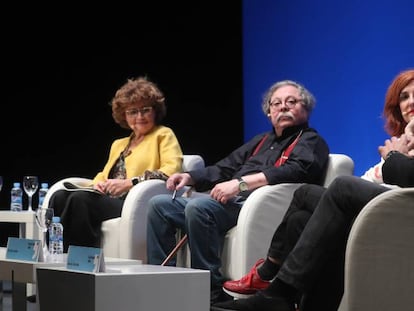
133, 220
379, 261
259, 217
59, 186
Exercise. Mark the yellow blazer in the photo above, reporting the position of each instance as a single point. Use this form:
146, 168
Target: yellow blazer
159, 150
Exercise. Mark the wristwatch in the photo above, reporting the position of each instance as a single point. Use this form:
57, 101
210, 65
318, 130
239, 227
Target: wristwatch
390, 154
134, 180
242, 185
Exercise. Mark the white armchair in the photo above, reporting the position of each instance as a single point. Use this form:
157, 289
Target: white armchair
125, 236
262, 212
379, 260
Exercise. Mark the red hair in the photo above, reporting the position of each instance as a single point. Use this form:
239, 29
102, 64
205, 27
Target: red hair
394, 122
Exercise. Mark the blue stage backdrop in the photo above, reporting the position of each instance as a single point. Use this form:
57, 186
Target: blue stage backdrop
345, 52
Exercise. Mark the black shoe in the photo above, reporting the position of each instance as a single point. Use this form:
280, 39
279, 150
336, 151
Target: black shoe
218, 295
257, 302
31, 298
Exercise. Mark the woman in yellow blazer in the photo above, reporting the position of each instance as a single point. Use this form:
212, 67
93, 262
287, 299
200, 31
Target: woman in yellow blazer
150, 151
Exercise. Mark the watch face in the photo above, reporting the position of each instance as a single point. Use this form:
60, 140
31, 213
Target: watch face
243, 186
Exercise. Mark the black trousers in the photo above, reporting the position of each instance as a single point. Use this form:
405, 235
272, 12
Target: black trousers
82, 213
301, 208
315, 265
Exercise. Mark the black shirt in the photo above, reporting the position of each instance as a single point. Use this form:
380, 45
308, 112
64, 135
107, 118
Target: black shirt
306, 163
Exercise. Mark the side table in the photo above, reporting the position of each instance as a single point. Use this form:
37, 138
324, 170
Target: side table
27, 223
28, 229
21, 273
124, 288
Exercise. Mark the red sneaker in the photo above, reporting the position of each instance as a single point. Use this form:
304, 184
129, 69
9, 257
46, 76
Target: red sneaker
247, 285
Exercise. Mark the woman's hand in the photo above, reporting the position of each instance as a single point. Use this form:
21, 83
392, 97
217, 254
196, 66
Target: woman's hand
114, 187
398, 144
409, 132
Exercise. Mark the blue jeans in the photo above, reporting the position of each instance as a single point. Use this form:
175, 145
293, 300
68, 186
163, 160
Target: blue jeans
205, 221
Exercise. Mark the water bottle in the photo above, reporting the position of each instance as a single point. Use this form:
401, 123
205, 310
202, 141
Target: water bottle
16, 201
42, 193
56, 240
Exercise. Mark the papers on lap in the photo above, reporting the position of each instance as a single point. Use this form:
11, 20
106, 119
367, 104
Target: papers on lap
75, 187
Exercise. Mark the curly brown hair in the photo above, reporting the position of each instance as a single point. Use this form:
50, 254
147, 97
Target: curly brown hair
137, 90
394, 122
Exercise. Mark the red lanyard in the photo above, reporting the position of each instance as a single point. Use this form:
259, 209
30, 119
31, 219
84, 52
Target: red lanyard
285, 154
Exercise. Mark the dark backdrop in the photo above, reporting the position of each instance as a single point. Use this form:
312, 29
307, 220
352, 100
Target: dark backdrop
59, 71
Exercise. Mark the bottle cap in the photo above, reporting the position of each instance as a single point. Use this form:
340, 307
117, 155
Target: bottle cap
45, 185
16, 184
56, 219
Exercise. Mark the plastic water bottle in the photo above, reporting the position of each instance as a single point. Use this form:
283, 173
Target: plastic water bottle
16, 200
42, 193
56, 240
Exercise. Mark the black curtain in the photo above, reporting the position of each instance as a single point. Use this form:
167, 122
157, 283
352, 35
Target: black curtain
60, 69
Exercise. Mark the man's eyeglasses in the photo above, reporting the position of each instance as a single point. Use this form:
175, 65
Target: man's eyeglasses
289, 102
132, 113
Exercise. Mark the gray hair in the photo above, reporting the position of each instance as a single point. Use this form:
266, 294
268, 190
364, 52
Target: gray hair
308, 102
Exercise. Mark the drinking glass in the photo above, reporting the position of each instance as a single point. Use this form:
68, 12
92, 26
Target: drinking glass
30, 185
44, 220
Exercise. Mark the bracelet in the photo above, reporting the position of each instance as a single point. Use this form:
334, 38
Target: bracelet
136, 180
389, 154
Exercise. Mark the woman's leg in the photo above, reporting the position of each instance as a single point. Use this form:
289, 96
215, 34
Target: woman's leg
82, 213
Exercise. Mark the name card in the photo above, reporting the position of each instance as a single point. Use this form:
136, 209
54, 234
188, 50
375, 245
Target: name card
23, 249
84, 258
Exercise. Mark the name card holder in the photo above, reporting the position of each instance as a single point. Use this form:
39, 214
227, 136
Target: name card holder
24, 249
84, 258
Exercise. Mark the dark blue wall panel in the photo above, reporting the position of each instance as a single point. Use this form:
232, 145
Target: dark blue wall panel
346, 53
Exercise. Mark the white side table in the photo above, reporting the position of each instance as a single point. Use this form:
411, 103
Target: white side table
27, 223
22, 273
28, 228
124, 288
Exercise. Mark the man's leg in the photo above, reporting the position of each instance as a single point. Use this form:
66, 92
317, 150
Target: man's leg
163, 218
325, 233
326, 293
303, 204
327, 230
207, 222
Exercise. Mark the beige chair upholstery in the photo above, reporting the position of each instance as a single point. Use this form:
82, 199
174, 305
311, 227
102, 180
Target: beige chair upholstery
379, 262
125, 236
262, 212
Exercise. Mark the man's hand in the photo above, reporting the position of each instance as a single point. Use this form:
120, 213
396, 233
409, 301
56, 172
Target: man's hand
178, 180
224, 191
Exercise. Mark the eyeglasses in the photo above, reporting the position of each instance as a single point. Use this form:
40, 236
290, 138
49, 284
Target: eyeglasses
132, 113
290, 102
